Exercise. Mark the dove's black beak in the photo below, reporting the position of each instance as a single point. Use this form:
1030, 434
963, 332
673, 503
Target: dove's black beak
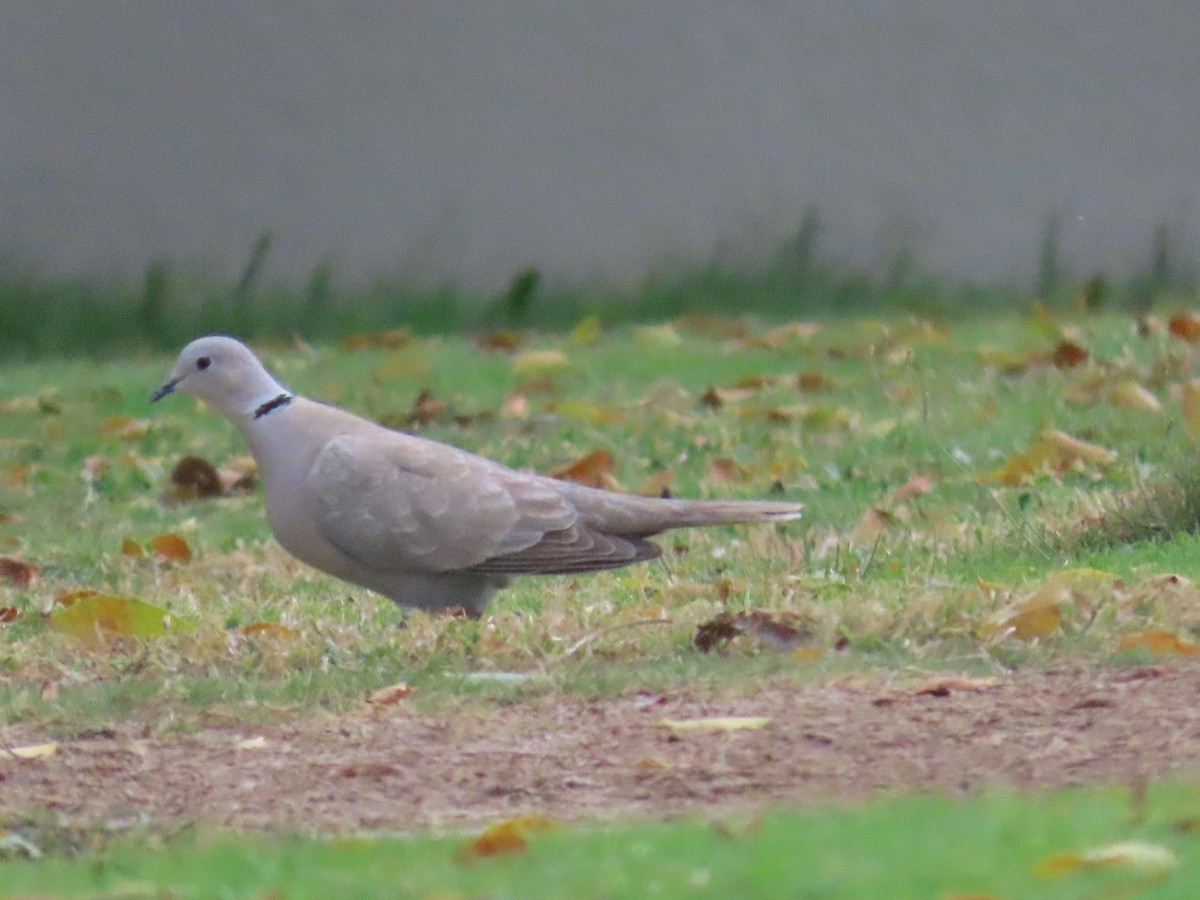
167, 388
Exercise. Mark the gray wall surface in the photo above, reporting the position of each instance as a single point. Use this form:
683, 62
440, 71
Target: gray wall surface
461, 140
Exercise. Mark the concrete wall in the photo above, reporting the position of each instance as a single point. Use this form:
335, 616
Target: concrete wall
592, 137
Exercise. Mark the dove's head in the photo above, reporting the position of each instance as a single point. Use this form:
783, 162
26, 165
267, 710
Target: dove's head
226, 375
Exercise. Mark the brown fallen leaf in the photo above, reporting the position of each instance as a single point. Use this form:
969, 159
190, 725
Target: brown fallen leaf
1185, 325
390, 695
171, 546
18, 571
1068, 355
593, 470
426, 409
192, 478
7, 614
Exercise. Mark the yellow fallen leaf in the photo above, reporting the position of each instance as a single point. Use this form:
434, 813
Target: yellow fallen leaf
1033, 618
587, 331
114, 614
1131, 395
1142, 857
33, 751
718, 723
657, 337
1073, 448
532, 362
1051, 449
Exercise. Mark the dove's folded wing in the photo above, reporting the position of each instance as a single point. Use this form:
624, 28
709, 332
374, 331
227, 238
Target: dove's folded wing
400, 503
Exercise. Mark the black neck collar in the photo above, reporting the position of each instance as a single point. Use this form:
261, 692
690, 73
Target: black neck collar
273, 404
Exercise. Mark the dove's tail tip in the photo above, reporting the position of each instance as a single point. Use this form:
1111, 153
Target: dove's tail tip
716, 512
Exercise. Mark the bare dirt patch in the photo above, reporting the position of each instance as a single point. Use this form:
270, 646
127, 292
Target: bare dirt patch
574, 758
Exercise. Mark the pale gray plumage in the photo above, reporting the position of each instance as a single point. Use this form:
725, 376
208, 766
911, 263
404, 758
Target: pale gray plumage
426, 524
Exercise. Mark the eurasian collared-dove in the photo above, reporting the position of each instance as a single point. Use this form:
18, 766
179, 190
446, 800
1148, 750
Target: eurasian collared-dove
426, 524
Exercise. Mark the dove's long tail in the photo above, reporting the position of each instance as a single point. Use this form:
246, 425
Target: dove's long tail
634, 516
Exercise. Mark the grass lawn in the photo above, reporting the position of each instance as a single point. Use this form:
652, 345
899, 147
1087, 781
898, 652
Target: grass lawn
981, 496
996, 845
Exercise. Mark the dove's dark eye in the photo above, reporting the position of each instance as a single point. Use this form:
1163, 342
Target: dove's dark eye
203, 363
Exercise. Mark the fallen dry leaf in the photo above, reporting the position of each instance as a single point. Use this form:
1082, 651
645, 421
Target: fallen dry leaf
1142, 857
33, 751
18, 571
714, 724
1185, 325
114, 614
390, 695
593, 470
657, 337
171, 546
130, 547
1131, 395
1036, 617
532, 362
510, 836
1051, 450
7, 614
426, 409
254, 743
192, 478
1160, 642
1068, 355
271, 629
